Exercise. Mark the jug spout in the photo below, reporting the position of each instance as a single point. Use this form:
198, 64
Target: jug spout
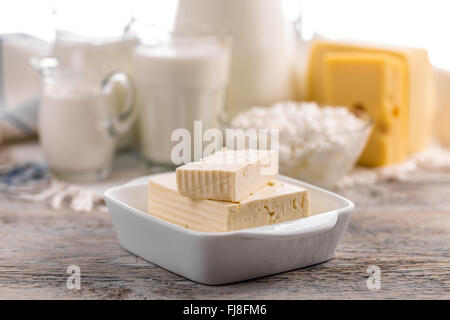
44, 66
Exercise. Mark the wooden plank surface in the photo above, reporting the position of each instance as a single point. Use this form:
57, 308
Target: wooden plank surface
401, 227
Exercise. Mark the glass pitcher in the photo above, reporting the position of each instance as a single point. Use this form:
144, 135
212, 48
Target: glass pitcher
77, 123
91, 35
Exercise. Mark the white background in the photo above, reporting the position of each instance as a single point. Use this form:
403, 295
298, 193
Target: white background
421, 23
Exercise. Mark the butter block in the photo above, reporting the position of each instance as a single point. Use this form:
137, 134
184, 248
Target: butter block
375, 82
419, 92
276, 202
227, 175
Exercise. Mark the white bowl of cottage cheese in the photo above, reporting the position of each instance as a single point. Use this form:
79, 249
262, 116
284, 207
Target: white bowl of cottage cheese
317, 144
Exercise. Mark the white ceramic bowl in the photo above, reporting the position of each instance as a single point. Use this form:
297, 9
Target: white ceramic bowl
220, 258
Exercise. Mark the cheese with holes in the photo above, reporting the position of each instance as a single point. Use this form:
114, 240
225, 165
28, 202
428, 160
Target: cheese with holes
419, 91
377, 83
228, 175
276, 202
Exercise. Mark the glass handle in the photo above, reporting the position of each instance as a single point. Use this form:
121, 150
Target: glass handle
119, 124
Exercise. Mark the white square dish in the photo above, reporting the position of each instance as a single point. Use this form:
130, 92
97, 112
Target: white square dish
221, 258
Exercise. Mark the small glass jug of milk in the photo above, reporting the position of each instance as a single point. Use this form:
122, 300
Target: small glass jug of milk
78, 123
82, 43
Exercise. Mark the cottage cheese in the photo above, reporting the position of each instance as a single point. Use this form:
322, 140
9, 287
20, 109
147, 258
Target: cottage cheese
317, 144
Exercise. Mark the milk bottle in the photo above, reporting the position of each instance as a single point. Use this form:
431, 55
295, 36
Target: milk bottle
261, 70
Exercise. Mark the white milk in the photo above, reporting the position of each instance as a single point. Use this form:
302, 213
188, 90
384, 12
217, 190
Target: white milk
99, 57
177, 84
261, 70
70, 133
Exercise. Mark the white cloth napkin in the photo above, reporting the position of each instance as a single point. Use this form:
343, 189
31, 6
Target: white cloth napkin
19, 85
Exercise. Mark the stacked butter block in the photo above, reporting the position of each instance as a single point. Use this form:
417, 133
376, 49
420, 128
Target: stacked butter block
394, 85
230, 190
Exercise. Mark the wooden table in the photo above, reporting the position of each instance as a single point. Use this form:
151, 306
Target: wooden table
403, 228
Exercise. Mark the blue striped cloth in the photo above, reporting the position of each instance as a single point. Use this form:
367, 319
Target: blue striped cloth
23, 174
19, 85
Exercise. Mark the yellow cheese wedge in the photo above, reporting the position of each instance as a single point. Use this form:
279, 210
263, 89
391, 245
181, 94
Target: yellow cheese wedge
374, 82
420, 93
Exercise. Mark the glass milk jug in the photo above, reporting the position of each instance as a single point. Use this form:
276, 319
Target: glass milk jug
77, 124
91, 37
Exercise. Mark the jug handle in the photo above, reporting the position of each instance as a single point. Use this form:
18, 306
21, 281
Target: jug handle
116, 125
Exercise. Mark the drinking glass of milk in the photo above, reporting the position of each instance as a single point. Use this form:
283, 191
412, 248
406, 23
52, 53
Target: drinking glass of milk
78, 125
180, 79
